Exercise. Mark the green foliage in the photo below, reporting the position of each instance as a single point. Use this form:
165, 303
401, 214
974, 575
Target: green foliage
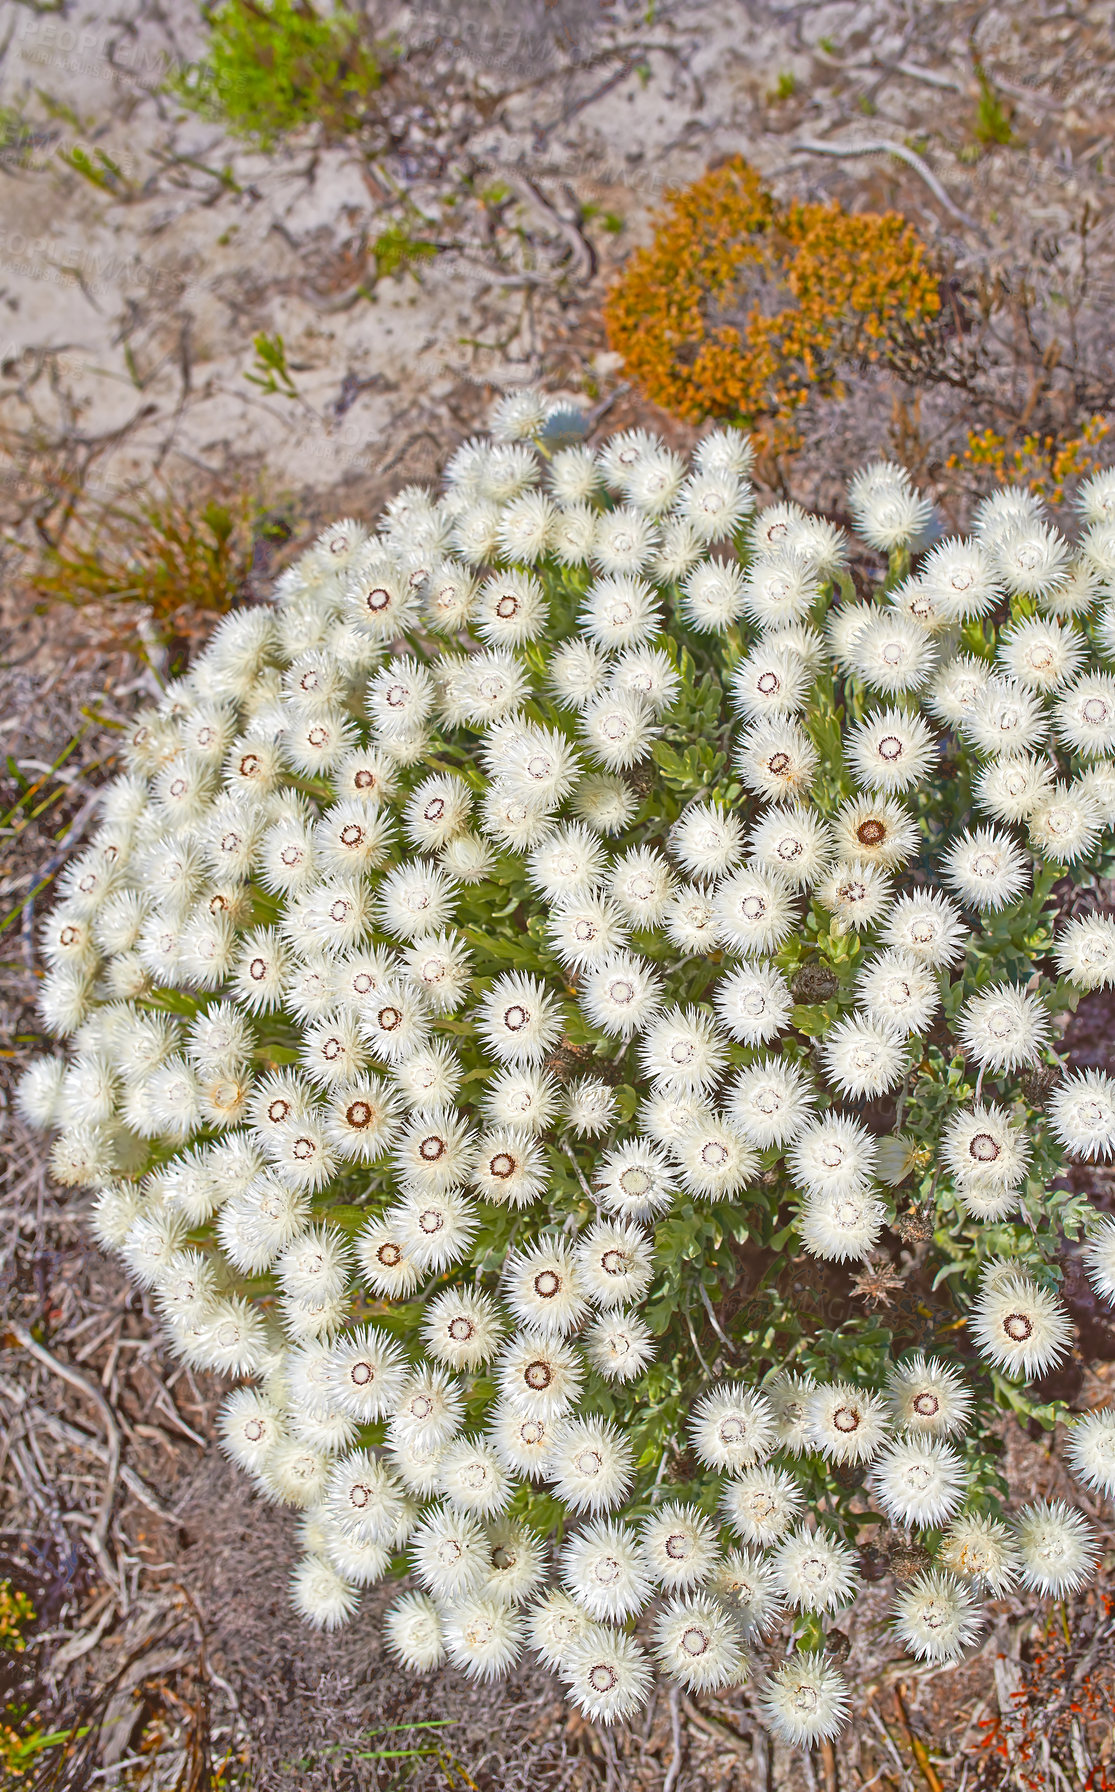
396, 249
270, 370
993, 119
276, 66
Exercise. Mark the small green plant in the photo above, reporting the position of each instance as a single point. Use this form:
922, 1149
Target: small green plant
276, 66
19, 1745
160, 551
270, 370
993, 119
785, 87
395, 249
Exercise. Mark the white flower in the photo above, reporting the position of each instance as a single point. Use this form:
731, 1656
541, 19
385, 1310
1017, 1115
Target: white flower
590, 1107
919, 1481
960, 576
928, 1396
428, 1411
364, 1499
1031, 558
984, 1145
620, 611
805, 1700
792, 841
635, 1179
981, 1550
770, 1101
936, 1617
769, 682
834, 1155
640, 883
753, 1004
715, 503
543, 1287
518, 1020
1085, 716
890, 750
1012, 788
762, 1504
524, 1439
697, 1643
483, 1636
897, 989
875, 831
471, 1477
566, 863
603, 1569
437, 1229
725, 450
987, 870
864, 1057
713, 595
607, 1674
449, 1552
690, 920
1040, 655
604, 803
414, 1635
367, 1374
892, 653
555, 1622
320, 1595
707, 840
780, 587
732, 1428
250, 1428
678, 1546
1003, 1027
578, 672
846, 1423
1086, 952
620, 995
1099, 1257
1065, 824
746, 1582
1082, 1114
1090, 1450
617, 729
776, 759
385, 1263
1017, 1325
714, 1159
1057, 1546
856, 893
754, 911
433, 1151
648, 674
683, 1050
591, 1465
509, 1167
814, 1571
615, 1263
619, 1346
841, 1226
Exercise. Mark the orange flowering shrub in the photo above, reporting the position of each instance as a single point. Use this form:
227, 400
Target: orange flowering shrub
1044, 463
742, 307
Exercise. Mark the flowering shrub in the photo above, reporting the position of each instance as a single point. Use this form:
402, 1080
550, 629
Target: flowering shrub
528, 985
744, 308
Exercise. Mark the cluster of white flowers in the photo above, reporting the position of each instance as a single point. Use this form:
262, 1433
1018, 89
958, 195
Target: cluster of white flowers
412, 999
